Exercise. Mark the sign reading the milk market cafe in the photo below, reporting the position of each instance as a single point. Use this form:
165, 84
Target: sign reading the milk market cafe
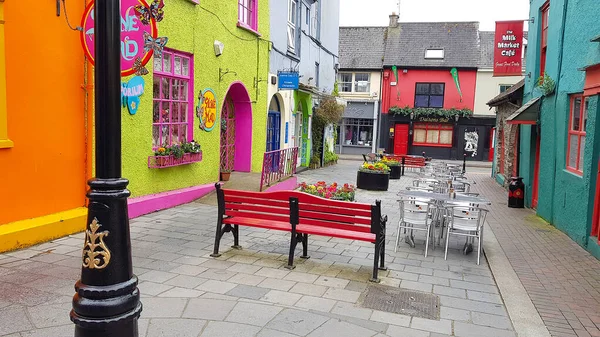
508, 46
138, 34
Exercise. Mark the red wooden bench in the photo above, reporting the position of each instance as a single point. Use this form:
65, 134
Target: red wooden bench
300, 214
410, 161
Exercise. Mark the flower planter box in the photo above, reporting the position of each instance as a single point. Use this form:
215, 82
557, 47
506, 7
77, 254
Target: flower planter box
170, 161
395, 172
372, 181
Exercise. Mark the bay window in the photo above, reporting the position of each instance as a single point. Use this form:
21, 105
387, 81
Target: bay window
431, 134
576, 133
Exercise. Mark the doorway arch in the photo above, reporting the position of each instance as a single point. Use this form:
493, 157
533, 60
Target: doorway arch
236, 129
274, 123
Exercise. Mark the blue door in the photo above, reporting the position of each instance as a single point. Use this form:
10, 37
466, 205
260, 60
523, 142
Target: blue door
273, 130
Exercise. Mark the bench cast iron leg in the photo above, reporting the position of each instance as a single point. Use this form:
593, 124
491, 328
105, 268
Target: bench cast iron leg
218, 235
375, 279
236, 237
293, 243
305, 247
382, 258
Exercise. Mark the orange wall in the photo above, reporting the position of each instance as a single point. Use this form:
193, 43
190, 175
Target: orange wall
45, 171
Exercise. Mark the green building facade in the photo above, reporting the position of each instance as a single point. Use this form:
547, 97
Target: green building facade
561, 172
214, 51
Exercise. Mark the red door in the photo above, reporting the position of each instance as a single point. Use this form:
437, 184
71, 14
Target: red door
401, 139
536, 174
596, 216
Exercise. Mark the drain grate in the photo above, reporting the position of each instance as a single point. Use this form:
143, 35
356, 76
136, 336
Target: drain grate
404, 302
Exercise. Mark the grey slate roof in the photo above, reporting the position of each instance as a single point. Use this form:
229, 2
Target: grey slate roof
407, 43
361, 47
510, 92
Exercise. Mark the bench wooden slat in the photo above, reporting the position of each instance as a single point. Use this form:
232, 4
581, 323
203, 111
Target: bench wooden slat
302, 197
257, 201
334, 232
252, 222
257, 209
260, 216
336, 225
342, 211
334, 216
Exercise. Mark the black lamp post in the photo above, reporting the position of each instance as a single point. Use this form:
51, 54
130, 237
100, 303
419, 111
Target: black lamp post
107, 301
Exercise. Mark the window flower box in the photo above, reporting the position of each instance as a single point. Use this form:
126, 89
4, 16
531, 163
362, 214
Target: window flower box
170, 160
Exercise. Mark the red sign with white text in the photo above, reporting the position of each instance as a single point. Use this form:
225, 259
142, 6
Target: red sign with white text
508, 46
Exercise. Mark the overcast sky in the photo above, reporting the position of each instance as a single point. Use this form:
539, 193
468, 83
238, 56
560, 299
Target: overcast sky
487, 12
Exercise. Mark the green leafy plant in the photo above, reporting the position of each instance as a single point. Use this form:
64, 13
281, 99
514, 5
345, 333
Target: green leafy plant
378, 167
330, 157
333, 191
427, 112
328, 112
191, 147
546, 84
336, 89
161, 151
176, 151
389, 161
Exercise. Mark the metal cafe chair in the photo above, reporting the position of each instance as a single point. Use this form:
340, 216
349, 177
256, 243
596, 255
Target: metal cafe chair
465, 221
419, 188
415, 214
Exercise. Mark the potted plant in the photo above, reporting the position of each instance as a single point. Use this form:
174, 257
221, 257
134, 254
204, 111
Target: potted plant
333, 191
225, 174
177, 152
191, 150
162, 156
373, 177
394, 166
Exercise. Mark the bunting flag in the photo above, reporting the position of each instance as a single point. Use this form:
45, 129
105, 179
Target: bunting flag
454, 73
395, 70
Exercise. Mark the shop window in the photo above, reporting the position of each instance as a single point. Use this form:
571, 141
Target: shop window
545, 15
429, 95
292, 25
426, 134
358, 131
4, 141
345, 82
173, 99
361, 82
576, 133
248, 14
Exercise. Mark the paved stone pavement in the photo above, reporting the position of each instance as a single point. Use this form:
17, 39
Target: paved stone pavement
248, 292
561, 278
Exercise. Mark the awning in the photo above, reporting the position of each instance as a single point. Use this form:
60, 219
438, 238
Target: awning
527, 114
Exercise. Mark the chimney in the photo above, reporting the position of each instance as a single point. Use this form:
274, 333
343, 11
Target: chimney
394, 20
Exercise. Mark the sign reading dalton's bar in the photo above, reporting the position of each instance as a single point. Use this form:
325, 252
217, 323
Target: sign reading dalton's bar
508, 46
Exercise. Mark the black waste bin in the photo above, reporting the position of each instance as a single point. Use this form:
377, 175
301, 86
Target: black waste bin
516, 193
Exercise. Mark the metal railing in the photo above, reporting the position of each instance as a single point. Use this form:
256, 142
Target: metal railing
278, 165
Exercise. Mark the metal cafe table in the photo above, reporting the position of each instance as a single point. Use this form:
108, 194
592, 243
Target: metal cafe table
442, 198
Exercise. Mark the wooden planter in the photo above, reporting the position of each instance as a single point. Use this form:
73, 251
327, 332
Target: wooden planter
372, 181
395, 172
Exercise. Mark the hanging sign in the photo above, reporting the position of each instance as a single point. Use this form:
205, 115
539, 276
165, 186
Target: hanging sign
207, 109
131, 92
288, 80
138, 34
508, 46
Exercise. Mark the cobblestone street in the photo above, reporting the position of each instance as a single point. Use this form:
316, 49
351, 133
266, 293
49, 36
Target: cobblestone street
248, 292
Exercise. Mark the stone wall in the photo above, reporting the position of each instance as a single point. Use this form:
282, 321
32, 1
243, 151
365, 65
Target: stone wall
507, 142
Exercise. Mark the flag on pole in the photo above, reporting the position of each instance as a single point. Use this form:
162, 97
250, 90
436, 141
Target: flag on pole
454, 73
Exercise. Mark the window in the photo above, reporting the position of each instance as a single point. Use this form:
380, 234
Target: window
345, 82
429, 95
361, 82
504, 87
248, 14
315, 21
576, 134
172, 108
427, 134
434, 54
317, 74
545, 14
307, 16
292, 21
4, 141
358, 131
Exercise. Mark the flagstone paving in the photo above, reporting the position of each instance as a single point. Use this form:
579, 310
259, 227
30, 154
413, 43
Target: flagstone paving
248, 292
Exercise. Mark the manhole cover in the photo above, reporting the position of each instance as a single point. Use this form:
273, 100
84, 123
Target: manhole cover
405, 302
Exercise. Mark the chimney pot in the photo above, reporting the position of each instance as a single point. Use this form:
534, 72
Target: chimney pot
394, 20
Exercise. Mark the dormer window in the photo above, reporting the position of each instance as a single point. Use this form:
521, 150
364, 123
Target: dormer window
434, 54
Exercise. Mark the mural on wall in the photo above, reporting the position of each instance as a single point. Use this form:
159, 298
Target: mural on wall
131, 92
138, 34
207, 109
471, 140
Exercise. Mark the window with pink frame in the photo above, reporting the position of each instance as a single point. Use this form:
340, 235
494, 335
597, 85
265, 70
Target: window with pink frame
248, 14
173, 99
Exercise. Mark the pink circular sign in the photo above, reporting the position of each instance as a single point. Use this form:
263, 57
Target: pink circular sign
134, 54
